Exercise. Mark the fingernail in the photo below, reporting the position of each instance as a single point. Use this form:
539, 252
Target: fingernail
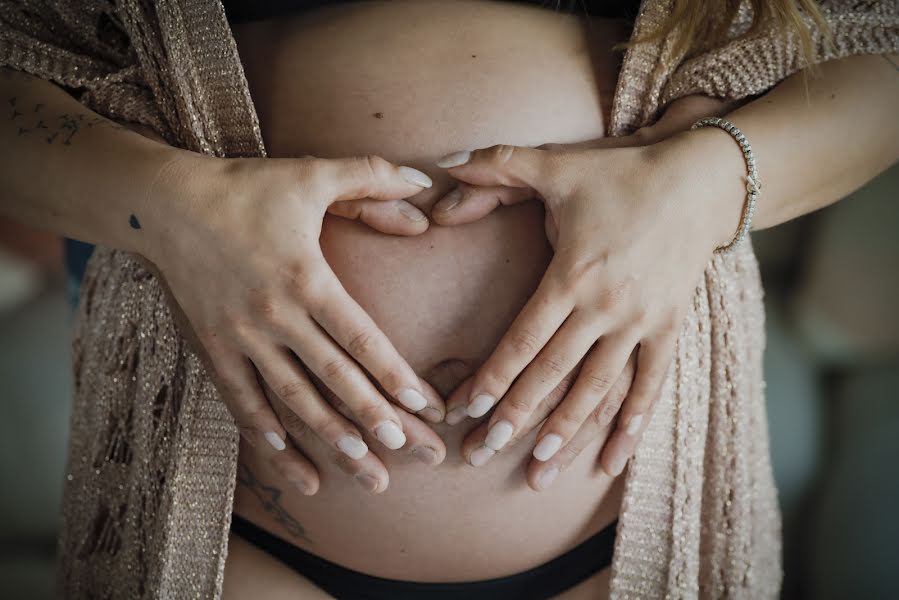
390, 435
425, 454
454, 160
412, 399
546, 478
352, 446
301, 487
369, 482
633, 426
480, 405
450, 201
409, 211
499, 435
416, 177
547, 446
275, 440
430, 414
481, 455
616, 465
457, 415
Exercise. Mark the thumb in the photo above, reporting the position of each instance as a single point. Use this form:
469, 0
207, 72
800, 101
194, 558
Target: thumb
372, 177
510, 166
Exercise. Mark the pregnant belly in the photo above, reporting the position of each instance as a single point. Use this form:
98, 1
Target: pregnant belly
411, 81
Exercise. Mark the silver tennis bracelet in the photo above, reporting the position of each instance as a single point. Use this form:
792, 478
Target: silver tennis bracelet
753, 184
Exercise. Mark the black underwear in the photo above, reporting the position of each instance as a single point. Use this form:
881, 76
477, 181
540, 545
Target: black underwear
541, 582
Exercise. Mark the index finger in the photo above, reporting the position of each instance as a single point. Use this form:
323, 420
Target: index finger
355, 331
540, 318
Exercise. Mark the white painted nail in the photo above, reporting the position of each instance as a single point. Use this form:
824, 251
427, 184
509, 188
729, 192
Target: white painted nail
411, 399
409, 211
457, 415
369, 482
547, 446
546, 478
633, 426
481, 455
416, 177
352, 446
275, 440
450, 201
454, 160
390, 434
481, 404
617, 465
499, 435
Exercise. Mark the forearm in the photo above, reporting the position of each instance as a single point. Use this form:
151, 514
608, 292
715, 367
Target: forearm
65, 169
815, 140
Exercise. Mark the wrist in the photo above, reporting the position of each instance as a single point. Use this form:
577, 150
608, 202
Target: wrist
708, 174
170, 203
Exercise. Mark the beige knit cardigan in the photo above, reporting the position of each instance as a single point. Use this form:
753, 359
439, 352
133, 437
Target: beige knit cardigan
153, 450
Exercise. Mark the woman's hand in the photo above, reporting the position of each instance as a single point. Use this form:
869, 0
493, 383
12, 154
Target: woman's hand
542, 473
243, 261
632, 232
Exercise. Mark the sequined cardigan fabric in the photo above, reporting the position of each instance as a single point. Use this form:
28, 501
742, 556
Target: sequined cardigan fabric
153, 450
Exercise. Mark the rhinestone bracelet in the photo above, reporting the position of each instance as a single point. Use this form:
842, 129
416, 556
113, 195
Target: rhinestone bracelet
753, 185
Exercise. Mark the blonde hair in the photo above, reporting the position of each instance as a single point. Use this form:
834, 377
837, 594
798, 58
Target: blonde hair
700, 25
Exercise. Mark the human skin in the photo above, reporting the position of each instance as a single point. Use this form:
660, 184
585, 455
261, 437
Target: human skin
66, 169
633, 228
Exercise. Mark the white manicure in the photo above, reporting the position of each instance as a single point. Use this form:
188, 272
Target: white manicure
633, 426
390, 434
546, 478
415, 177
352, 446
480, 405
481, 455
499, 435
275, 440
411, 399
454, 160
548, 446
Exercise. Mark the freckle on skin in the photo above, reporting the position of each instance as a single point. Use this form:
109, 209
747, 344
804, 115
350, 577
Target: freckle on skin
474, 55
378, 115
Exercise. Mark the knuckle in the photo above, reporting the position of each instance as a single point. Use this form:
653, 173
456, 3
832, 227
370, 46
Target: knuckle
598, 382
578, 268
370, 413
524, 342
616, 297
567, 454
263, 305
294, 425
377, 166
552, 367
360, 343
500, 154
300, 280
518, 403
336, 370
568, 420
291, 391
605, 413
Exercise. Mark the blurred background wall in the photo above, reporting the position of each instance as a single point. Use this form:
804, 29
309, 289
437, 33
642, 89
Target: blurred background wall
832, 363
